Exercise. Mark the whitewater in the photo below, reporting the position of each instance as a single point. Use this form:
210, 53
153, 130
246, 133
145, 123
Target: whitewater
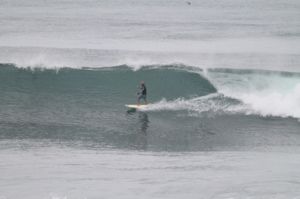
223, 81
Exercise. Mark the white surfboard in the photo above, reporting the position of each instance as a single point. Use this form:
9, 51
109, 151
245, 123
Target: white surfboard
135, 106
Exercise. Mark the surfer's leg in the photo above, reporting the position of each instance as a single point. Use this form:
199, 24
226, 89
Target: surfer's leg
139, 99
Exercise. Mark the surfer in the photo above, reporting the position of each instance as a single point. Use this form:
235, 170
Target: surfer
142, 93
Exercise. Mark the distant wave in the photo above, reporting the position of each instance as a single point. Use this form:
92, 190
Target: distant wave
56, 58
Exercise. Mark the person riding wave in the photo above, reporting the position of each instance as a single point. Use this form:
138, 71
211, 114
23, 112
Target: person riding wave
142, 93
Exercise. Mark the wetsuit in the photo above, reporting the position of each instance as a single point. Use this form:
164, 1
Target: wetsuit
142, 94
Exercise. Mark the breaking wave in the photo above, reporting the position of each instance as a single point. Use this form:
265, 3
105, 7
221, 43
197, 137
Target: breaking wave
171, 87
263, 93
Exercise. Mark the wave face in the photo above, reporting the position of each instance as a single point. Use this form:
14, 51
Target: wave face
116, 83
177, 87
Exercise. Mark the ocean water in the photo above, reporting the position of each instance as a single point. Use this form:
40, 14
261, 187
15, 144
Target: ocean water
223, 80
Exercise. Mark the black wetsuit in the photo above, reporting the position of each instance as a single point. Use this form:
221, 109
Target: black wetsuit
142, 94
144, 89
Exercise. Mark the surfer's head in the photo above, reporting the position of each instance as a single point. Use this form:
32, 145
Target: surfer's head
142, 83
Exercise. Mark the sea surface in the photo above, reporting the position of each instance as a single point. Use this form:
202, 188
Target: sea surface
223, 81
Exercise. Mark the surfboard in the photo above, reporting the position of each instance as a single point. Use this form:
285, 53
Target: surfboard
135, 106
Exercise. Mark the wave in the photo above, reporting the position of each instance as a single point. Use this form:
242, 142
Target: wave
264, 93
171, 87
56, 58
119, 83
244, 92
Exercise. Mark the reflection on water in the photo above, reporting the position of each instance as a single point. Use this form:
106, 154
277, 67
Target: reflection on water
141, 139
144, 122
168, 131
